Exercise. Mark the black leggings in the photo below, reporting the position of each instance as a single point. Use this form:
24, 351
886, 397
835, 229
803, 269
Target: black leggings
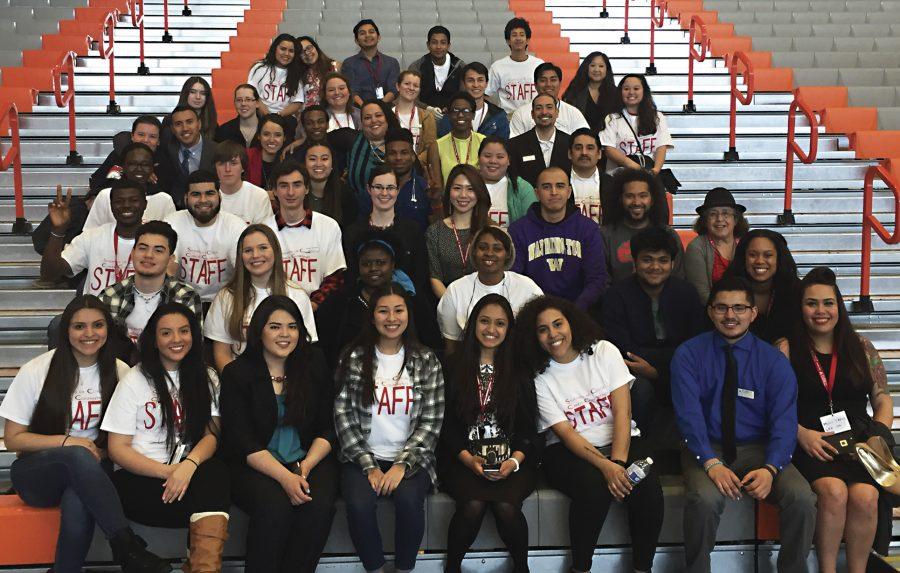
586, 487
142, 496
466, 523
282, 537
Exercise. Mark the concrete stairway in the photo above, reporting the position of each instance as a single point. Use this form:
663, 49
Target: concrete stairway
22, 23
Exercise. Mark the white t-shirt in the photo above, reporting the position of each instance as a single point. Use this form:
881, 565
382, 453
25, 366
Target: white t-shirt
412, 122
159, 206
271, 87
440, 73
617, 134
461, 296
339, 120
513, 82
135, 411
570, 118
249, 202
392, 406
215, 326
311, 254
105, 255
144, 307
499, 212
23, 394
206, 255
586, 193
578, 392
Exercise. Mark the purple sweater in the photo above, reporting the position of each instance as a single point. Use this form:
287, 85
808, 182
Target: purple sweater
565, 259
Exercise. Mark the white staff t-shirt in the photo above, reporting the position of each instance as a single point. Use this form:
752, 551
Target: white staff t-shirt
618, 134
586, 194
499, 211
135, 411
311, 254
215, 326
105, 255
392, 406
460, 298
272, 87
513, 82
87, 406
249, 202
144, 307
159, 206
578, 392
206, 255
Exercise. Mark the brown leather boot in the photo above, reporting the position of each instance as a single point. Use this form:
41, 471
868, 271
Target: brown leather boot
208, 535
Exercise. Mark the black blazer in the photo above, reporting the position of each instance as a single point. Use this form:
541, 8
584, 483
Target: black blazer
525, 153
249, 413
170, 175
231, 131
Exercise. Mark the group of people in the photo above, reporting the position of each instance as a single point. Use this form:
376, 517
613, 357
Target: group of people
273, 312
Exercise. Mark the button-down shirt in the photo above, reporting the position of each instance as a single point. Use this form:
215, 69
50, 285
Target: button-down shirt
766, 408
366, 76
119, 297
547, 147
194, 154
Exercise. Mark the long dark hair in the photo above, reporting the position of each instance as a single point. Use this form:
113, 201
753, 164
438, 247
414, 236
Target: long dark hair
585, 332
614, 212
506, 384
482, 208
784, 283
278, 120
208, 116
607, 93
294, 71
297, 364
323, 65
195, 387
331, 201
647, 120
847, 344
368, 336
511, 172
53, 411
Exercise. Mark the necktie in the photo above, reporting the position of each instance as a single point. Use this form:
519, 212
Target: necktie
185, 161
729, 397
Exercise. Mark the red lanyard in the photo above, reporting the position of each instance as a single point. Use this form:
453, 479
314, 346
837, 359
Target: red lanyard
468, 148
412, 115
484, 396
463, 256
373, 72
832, 371
120, 274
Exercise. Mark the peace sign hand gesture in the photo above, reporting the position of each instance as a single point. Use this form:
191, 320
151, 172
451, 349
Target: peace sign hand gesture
60, 213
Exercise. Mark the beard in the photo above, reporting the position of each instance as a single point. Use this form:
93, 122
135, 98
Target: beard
205, 218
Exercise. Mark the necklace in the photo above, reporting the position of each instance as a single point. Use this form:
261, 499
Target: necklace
468, 148
278, 379
147, 298
377, 154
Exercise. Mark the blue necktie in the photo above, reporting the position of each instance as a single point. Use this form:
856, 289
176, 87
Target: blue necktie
185, 161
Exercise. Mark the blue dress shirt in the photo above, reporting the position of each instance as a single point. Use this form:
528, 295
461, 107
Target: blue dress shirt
365, 76
766, 408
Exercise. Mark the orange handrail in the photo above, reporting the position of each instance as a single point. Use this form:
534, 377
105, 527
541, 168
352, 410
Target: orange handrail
625, 39
136, 9
107, 52
67, 67
738, 96
166, 37
871, 223
186, 11
697, 23
603, 12
794, 149
657, 19
13, 158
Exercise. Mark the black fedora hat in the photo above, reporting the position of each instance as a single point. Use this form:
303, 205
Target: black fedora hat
720, 197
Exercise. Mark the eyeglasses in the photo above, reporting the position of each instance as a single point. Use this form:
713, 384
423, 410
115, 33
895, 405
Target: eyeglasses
380, 188
460, 110
309, 50
244, 100
722, 309
725, 214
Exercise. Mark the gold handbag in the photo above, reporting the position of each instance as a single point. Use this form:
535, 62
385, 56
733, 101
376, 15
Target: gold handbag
875, 455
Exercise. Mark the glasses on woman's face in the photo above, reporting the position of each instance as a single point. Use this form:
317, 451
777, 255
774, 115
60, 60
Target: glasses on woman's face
379, 188
726, 214
309, 50
722, 309
458, 110
241, 100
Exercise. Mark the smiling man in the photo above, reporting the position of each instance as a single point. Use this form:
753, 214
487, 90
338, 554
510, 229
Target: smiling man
543, 145
557, 246
735, 400
547, 79
145, 129
372, 75
186, 152
205, 255
511, 78
637, 201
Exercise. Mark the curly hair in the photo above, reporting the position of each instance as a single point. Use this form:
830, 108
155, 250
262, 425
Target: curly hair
585, 331
614, 212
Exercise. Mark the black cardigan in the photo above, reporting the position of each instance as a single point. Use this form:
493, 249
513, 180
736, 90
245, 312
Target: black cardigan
249, 411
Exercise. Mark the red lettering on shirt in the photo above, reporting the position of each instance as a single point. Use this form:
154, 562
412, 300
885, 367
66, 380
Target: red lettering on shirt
499, 217
520, 92
102, 277
392, 397
85, 411
202, 271
274, 92
589, 412
150, 417
648, 145
623, 253
301, 269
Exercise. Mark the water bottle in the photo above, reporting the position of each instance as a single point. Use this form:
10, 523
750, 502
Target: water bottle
638, 470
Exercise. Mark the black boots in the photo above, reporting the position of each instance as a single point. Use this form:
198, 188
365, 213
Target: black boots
130, 552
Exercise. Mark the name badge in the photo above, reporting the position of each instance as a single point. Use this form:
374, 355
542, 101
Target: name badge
379, 92
528, 158
836, 423
748, 394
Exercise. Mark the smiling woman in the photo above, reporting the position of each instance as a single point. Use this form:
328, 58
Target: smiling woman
273, 133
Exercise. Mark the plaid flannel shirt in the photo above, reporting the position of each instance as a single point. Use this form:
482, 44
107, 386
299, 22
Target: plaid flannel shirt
120, 298
353, 420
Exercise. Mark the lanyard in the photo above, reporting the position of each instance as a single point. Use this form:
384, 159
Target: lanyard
484, 396
119, 273
373, 72
412, 115
828, 383
463, 256
338, 122
468, 148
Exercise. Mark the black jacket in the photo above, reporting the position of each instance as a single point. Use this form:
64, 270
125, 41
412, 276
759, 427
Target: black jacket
231, 131
525, 153
249, 412
172, 177
627, 319
413, 258
429, 95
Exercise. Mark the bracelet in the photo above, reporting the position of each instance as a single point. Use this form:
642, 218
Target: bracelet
189, 459
617, 462
64, 441
515, 461
63, 236
712, 465
771, 470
